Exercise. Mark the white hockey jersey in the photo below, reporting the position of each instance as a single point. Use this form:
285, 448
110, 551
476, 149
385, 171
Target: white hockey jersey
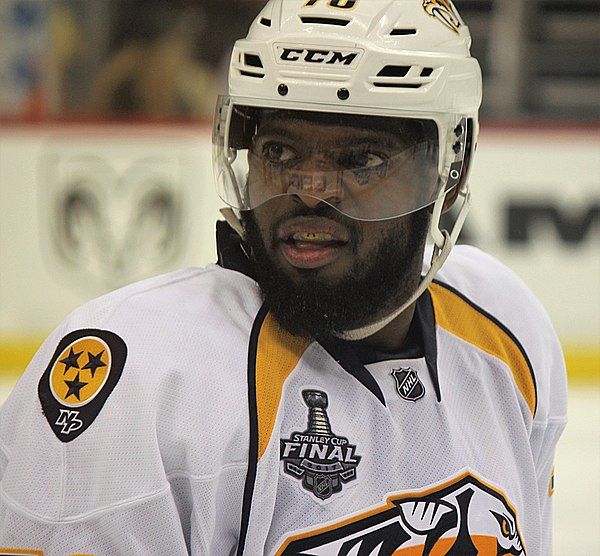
173, 417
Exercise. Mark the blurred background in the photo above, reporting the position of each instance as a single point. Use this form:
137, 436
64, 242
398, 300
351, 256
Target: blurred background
105, 173
167, 58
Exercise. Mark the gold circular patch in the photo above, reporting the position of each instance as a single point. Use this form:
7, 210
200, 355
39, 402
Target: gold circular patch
80, 371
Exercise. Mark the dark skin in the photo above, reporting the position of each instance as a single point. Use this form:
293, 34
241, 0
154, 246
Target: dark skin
310, 243
392, 336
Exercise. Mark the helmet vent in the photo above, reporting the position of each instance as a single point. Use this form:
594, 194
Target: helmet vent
403, 32
398, 85
401, 77
251, 74
325, 20
252, 60
266, 22
253, 64
394, 71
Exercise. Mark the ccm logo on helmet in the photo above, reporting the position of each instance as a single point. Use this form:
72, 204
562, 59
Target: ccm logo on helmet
317, 56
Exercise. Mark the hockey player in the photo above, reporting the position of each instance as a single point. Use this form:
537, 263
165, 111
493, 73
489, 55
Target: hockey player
327, 388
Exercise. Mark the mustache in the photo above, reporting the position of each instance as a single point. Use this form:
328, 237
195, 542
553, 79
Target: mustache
322, 210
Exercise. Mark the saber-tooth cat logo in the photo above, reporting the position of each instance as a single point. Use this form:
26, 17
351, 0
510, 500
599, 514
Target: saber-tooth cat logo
464, 516
318, 457
445, 12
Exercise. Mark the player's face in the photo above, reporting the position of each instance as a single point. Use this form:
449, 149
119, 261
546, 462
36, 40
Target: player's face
367, 167
320, 271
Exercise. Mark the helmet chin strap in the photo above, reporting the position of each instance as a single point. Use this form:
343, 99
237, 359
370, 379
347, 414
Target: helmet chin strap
443, 244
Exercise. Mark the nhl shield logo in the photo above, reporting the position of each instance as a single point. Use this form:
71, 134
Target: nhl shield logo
323, 486
408, 384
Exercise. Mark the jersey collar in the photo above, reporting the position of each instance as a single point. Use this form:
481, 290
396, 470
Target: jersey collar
422, 338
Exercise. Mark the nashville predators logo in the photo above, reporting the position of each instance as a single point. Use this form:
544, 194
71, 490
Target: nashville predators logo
463, 517
444, 11
321, 460
69, 421
86, 366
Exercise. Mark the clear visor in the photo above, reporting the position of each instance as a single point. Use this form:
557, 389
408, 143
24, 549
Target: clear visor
367, 167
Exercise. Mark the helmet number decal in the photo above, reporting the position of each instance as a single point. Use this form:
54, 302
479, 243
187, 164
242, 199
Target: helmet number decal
341, 4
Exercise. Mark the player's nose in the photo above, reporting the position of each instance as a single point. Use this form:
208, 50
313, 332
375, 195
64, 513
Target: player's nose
312, 201
316, 182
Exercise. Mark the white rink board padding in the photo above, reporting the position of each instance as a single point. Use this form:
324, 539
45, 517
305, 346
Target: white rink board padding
86, 208
537, 208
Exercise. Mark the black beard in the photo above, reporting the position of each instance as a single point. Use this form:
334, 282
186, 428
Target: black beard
311, 307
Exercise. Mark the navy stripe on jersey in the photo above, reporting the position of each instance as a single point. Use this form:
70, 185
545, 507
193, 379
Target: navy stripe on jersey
345, 357
253, 411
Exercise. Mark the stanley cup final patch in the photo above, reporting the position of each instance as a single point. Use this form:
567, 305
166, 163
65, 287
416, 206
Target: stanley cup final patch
83, 371
317, 457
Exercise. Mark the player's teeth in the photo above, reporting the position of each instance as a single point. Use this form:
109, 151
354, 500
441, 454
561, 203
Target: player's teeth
312, 236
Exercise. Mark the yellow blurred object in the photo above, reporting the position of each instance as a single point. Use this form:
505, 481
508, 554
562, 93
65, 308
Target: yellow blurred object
583, 362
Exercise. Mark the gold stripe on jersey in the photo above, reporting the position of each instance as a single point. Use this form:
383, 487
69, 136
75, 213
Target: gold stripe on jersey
22, 551
460, 318
277, 354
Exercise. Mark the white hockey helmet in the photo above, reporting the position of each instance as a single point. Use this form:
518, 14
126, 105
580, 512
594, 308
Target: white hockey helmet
394, 60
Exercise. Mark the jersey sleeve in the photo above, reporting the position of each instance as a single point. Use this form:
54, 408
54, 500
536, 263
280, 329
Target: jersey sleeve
548, 425
101, 492
115, 442
497, 289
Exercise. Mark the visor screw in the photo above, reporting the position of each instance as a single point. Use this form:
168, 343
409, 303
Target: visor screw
282, 89
457, 147
343, 94
458, 130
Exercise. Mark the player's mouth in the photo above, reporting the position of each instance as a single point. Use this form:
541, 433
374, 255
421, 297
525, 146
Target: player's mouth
312, 242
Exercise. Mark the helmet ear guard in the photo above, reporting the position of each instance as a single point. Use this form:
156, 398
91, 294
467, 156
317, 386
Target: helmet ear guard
459, 193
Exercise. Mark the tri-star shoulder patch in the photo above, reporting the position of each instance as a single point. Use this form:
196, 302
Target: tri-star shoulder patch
83, 371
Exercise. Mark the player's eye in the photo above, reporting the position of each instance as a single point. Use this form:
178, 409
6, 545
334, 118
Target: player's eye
360, 159
275, 152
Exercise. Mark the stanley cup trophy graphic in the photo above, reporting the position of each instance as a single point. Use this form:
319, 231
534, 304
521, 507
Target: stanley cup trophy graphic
317, 456
318, 422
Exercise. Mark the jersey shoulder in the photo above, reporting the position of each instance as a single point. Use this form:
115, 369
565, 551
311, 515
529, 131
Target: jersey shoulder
492, 286
190, 325
135, 386
180, 295
499, 294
